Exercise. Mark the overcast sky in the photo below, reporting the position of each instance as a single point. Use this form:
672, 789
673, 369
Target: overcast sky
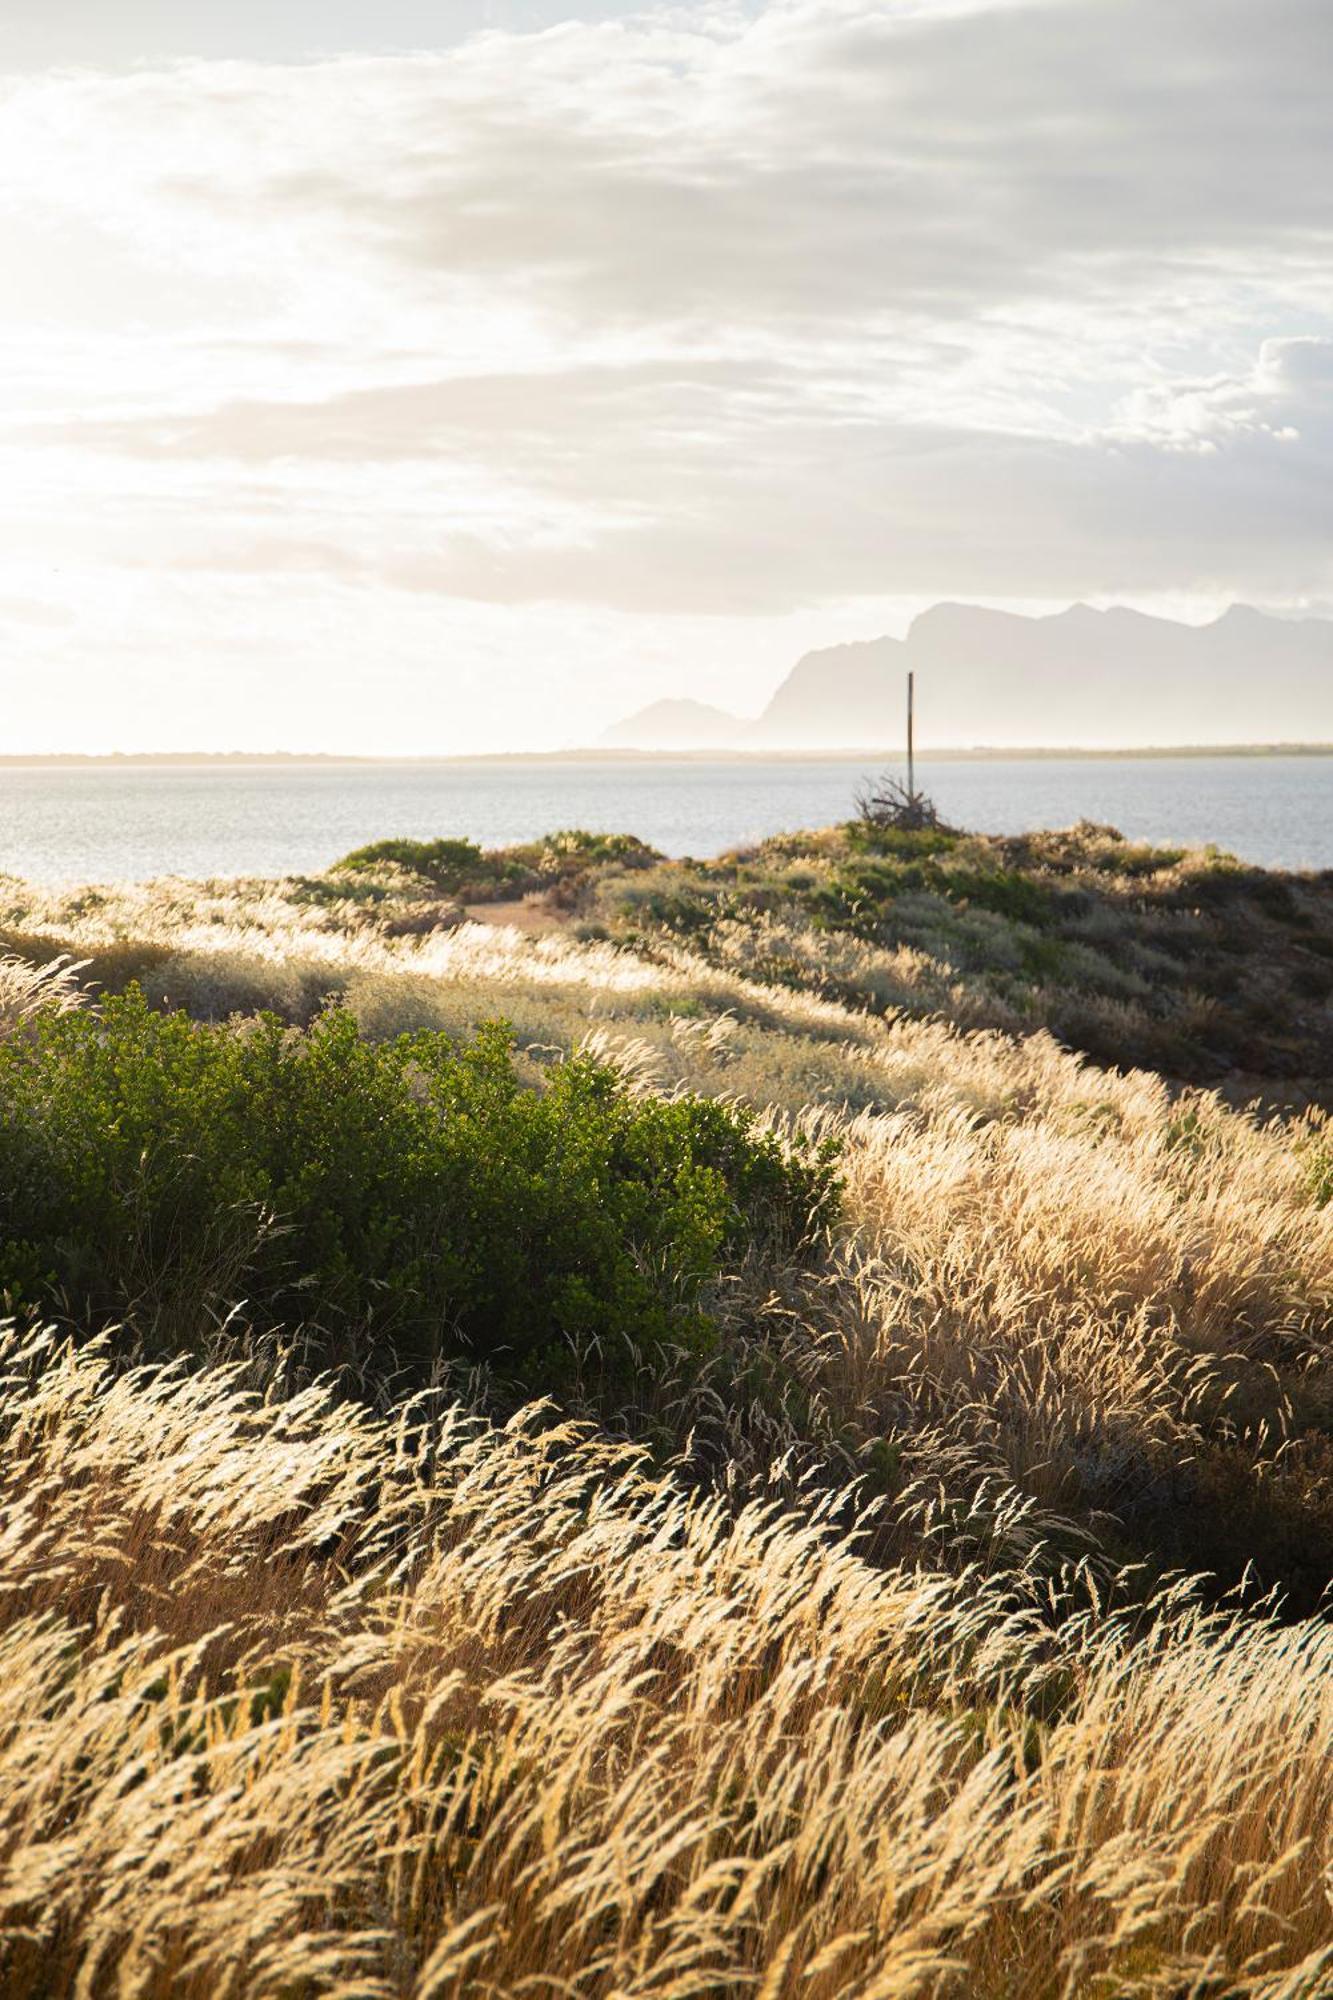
444, 376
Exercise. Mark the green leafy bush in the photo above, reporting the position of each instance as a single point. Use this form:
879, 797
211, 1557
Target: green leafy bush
575, 848
459, 867
402, 1201
907, 843
444, 863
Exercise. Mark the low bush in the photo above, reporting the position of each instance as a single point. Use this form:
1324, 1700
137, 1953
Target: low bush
576, 848
402, 1201
907, 843
460, 868
446, 864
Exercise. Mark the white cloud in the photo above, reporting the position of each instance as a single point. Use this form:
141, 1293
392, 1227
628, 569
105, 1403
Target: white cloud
1286, 397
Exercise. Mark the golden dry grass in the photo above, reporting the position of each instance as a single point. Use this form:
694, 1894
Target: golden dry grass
296, 1699
299, 1700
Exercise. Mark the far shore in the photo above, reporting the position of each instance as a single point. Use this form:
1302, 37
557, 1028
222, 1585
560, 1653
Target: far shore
593, 754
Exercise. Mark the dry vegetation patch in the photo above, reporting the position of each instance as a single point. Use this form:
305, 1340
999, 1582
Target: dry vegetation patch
296, 1699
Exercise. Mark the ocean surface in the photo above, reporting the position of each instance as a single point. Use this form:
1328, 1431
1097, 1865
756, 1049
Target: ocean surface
80, 824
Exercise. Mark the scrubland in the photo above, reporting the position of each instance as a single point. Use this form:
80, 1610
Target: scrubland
898, 1567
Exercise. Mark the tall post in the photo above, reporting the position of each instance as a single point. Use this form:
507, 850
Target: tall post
911, 748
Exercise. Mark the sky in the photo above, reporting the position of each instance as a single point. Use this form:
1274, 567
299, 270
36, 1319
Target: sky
435, 377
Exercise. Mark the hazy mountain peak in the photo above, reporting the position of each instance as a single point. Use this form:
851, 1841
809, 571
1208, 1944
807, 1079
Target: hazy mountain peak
950, 612
1082, 676
678, 723
1246, 614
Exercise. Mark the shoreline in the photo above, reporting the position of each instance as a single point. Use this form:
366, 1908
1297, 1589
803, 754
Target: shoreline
234, 760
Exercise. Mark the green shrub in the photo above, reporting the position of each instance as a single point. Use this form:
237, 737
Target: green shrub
574, 848
561, 865
1008, 894
862, 836
445, 863
402, 1201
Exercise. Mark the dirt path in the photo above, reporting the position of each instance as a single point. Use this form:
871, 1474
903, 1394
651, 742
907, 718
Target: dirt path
532, 914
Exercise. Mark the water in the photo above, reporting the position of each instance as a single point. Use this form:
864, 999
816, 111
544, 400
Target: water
85, 824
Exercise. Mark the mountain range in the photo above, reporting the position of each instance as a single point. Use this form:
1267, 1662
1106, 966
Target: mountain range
1081, 677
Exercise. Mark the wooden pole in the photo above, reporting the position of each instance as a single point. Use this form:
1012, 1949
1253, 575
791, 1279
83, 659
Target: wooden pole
911, 750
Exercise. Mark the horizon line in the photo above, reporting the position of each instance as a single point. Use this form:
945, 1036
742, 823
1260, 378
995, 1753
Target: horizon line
630, 754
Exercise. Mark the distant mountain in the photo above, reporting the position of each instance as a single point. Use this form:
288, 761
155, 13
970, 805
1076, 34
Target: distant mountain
676, 725
1082, 676
994, 678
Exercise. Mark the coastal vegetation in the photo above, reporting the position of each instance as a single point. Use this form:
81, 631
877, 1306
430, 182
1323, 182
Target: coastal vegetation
402, 1202
582, 1424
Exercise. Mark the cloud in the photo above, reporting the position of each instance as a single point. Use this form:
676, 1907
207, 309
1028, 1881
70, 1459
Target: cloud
544, 413
661, 487
718, 311
811, 164
828, 160
1287, 397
